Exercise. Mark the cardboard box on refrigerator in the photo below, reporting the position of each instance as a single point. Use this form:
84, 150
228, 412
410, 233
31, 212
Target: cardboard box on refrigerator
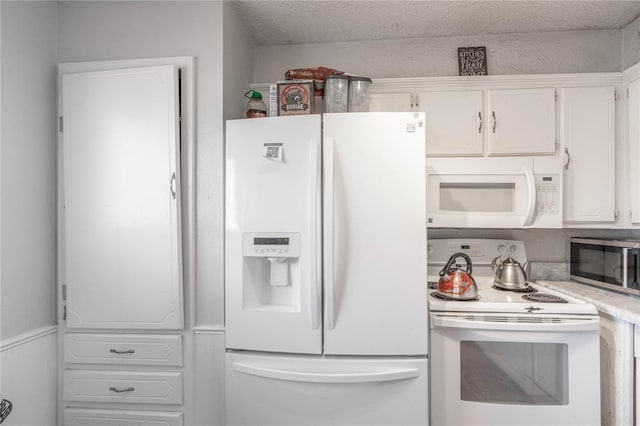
295, 97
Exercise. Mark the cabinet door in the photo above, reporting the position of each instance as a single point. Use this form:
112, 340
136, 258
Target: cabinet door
390, 102
633, 128
616, 371
521, 121
454, 122
588, 135
122, 254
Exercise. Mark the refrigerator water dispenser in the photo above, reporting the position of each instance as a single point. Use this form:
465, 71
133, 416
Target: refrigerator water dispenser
271, 278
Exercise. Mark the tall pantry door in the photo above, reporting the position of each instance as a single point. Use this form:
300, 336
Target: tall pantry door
375, 234
122, 242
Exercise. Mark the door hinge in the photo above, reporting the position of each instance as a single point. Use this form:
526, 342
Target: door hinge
555, 95
615, 95
615, 214
60, 124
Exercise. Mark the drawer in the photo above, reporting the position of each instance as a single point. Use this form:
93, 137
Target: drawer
123, 349
147, 387
86, 417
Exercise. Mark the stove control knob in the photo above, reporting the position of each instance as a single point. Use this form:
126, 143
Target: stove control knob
513, 249
502, 249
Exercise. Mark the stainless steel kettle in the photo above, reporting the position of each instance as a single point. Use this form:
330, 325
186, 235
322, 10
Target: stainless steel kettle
456, 283
509, 274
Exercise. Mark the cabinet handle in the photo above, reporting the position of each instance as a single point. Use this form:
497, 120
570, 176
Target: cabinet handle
172, 183
566, 164
411, 97
493, 114
121, 390
479, 122
128, 351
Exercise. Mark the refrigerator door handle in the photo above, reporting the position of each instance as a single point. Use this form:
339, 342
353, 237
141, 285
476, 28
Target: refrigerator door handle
314, 234
327, 377
328, 233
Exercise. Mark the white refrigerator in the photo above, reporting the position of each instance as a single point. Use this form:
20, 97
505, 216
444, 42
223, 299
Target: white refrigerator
325, 270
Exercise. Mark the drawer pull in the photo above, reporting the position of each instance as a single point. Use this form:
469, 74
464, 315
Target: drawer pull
128, 351
116, 390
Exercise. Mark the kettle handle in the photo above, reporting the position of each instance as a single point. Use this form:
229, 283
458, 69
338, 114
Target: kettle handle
451, 261
494, 264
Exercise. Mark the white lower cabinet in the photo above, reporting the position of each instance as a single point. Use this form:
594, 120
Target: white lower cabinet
149, 387
88, 417
123, 349
616, 371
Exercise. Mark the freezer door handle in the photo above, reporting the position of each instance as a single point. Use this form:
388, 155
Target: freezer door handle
329, 233
327, 377
314, 231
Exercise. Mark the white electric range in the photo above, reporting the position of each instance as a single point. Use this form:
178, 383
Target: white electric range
506, 360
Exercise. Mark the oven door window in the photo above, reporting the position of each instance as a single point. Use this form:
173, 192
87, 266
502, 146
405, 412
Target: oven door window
514, 373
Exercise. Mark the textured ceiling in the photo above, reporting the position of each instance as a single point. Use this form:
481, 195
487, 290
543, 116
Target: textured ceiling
273, 22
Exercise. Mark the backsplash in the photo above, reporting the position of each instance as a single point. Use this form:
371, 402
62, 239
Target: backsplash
551, 271
542, 245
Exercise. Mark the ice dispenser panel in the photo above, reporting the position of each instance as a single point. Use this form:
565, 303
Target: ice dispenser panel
271, 276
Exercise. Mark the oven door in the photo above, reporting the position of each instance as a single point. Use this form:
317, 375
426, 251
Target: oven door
514, 370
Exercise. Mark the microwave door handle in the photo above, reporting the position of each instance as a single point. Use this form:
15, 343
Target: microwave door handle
531, 196
625, 267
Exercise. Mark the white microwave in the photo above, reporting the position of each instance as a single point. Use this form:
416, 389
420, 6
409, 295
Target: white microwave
504, 192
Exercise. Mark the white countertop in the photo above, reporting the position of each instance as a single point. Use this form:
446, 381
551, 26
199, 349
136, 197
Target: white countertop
625, 307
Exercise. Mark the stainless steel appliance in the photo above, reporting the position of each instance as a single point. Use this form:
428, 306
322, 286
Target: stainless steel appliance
516, 358
606, 263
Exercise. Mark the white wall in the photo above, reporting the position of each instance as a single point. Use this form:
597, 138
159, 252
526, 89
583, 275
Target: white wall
90, 31
27, 211
238, 64
631, 44
28, 168
535, 53
29, 368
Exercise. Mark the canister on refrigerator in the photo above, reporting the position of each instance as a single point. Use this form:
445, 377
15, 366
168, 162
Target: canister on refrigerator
359, 94
336, 90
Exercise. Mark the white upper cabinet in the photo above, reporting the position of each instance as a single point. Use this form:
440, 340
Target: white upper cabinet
391, 102
588, 139
121, 236
454, 122
633, 128
521, 121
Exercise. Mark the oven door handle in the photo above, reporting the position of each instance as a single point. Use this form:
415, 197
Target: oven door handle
515, 323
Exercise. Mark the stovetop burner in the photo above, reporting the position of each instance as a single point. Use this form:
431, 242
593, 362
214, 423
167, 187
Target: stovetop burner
443, 297
544, 298
527, 289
